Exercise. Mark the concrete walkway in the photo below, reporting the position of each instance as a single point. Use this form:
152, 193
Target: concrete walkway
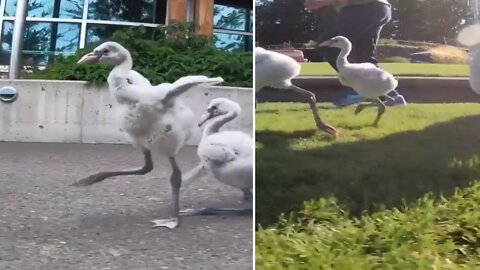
45, 224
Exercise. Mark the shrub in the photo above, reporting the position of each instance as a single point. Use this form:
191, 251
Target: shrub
390, 42
432, 234
163, 55
448, 55
311, 44
395, 59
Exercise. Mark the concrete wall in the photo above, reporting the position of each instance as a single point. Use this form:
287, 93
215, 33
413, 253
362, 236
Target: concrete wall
70, 111
415, 90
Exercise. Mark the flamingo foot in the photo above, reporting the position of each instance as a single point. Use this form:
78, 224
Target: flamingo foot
170, 223
209, 211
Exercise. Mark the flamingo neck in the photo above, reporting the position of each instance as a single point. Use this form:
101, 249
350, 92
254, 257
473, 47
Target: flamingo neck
118, 82
119, 73
214, 126
342, 60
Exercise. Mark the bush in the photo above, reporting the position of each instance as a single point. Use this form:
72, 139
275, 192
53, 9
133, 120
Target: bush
164, 55
387, 42
395, 59
448, 55
433, 234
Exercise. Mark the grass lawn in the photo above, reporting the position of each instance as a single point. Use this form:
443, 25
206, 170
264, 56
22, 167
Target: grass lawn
356, 180
398, 69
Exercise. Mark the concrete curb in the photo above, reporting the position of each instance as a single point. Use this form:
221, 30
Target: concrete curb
404, 81
415, 89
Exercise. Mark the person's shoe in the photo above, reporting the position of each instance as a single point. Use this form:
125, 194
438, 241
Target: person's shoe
398, 100
348, 99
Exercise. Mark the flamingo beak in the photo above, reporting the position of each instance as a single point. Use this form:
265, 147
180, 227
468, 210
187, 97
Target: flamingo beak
90, 58
204, 118
326, 43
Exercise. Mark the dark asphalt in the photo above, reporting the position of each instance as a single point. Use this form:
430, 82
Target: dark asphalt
45, 224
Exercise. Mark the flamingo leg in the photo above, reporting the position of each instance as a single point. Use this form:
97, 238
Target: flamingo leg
362, 106
381, 111
312, 101
375, 103
248, 210
176, 183
98, 177
196, 173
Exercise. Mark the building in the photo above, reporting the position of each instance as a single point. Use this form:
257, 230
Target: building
54, 27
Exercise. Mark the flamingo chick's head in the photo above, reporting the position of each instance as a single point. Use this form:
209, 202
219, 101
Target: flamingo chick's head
340, 42
109, 52
218, 107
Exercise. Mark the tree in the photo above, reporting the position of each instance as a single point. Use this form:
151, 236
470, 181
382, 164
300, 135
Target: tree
427, 20
423, 20
287, 20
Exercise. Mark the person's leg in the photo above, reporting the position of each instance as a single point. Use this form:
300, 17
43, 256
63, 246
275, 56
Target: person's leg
367, 43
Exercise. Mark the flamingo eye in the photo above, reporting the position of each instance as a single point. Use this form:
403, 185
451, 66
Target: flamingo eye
212, 109
106, 51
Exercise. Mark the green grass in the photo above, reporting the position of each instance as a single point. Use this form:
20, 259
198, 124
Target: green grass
398, 69
345, 192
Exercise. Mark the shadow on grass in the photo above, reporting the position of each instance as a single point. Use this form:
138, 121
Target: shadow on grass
366, 175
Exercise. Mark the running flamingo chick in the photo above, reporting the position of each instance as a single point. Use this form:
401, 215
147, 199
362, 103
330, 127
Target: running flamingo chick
154, 118
277, 70
227, 155
368, 80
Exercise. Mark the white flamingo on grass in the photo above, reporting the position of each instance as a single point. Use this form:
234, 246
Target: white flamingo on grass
368, 80
277, 70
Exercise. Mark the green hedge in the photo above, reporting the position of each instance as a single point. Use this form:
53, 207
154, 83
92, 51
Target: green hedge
161, 58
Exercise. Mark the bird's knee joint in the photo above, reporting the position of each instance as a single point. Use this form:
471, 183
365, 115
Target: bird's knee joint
176, 183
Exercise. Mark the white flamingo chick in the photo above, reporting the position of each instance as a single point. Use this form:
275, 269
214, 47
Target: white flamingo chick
277, 70
470, 37
367, 79
154, 118
228, 155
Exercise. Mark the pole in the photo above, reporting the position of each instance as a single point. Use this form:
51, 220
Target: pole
17, 39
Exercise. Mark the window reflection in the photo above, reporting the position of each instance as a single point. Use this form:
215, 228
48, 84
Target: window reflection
97, 33
71, 9
233, 42
123, 10
236, 18
41, 40
250, 26
231, 18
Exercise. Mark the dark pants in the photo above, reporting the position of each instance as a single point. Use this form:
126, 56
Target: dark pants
361, 24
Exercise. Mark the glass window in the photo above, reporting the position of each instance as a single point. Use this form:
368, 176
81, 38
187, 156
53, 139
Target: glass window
250, 18
225, 17
233, 42
122, 10
102, 32
72, 9
249, 43
41, 40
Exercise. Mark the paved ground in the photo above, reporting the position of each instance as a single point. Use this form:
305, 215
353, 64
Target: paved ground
45, 224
